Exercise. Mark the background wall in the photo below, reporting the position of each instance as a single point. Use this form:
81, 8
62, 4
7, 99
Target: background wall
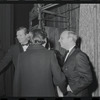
21, 15
89, 30
6, 37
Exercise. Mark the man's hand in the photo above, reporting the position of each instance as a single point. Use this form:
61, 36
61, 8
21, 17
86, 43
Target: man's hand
69, 89
60, 94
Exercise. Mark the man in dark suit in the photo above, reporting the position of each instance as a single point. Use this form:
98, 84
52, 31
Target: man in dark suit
38, 72
13, 52
76, 66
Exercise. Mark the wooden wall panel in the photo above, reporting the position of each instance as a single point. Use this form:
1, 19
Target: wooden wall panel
70, 11
89, 30
54, 34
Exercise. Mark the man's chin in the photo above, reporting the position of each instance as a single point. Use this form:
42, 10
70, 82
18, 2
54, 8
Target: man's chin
62, 47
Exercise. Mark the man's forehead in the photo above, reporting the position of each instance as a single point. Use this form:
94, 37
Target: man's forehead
21, 32
64, 34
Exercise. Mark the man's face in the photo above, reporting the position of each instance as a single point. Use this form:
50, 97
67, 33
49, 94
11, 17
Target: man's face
64, 40
22, 38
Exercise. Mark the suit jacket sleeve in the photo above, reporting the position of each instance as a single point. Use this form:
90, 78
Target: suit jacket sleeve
84, 72
58, 76
6, 59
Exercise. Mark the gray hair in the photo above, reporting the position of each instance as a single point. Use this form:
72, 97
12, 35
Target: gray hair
38, 36
22, 28
72, 34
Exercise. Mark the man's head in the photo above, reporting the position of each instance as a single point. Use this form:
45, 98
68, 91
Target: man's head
67, 39
38, 36
22, 35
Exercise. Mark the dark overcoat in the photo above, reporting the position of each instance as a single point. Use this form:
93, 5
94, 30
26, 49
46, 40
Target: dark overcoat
38, 73
11, 55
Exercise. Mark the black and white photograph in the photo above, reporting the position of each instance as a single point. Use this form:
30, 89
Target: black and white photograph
49, 49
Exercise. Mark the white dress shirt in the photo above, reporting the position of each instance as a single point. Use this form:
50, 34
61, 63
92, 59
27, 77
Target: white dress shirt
25, 47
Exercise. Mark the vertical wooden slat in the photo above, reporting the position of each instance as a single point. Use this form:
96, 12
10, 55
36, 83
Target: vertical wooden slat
98, 24
95, 44
89, 30
54, 34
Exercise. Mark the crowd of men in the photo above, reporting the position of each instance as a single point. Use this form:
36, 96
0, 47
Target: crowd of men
38, 72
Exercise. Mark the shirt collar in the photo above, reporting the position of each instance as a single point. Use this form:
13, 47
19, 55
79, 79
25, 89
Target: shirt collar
71, 48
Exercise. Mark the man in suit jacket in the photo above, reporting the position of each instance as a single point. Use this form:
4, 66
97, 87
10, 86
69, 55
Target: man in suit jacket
13, 52
38, 72
76, 66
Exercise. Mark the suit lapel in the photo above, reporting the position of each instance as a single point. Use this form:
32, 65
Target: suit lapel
70, 54
20, 48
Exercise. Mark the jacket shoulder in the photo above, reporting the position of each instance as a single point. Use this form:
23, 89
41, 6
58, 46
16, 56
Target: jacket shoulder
82, 54
14, 46
51, 52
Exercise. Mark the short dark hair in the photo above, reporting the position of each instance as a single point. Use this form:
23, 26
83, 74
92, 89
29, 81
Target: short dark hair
22, 28
39, 35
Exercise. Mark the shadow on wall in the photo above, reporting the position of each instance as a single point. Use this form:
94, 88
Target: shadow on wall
78, 42
94, 85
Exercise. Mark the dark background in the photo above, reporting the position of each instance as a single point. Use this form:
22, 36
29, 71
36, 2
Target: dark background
12, 16
21, 15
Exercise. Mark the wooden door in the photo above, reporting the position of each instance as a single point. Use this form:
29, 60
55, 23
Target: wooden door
53, 35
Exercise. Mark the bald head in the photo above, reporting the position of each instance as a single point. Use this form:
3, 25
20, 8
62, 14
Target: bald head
67, 39
70, 34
